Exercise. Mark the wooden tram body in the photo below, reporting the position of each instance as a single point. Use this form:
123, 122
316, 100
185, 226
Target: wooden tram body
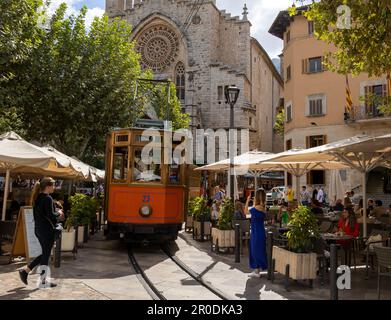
144, 202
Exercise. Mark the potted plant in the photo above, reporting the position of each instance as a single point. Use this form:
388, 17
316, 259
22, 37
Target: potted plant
83, 212
201, 215
189, 218
297, 260
224, 236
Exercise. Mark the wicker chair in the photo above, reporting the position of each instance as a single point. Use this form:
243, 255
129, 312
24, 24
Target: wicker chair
362, 249
383, 255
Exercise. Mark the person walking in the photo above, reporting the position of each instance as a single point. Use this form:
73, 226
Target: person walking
305, 196
45, 219
320, 196
257, 247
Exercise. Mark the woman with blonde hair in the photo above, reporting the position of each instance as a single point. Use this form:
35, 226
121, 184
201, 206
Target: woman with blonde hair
45, 220
257, 248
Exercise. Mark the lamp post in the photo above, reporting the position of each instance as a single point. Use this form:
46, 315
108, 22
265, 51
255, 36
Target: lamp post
231, 97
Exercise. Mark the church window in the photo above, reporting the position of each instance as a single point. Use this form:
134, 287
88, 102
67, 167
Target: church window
220, 93
180, 81
158, 46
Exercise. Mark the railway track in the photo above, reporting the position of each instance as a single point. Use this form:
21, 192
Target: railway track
153, 288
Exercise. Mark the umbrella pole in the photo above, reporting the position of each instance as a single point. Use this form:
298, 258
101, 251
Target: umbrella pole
6, 186
364, 201
298, 189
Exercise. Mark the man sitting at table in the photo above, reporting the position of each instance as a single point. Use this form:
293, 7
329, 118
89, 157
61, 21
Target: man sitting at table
338, 205
316, 207
379, 210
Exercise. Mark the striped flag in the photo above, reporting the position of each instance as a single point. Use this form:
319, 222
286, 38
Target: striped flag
389, 83
349, 101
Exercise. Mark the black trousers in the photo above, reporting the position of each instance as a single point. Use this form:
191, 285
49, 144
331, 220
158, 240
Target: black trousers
46, 240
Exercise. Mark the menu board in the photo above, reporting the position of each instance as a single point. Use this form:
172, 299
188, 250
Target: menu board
25, 242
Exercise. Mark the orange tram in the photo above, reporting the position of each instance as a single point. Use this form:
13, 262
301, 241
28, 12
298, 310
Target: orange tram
143, 202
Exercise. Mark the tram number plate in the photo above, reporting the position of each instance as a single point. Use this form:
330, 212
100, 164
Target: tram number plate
143, 230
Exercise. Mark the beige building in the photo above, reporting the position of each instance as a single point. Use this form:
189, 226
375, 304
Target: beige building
315, 98
204, 49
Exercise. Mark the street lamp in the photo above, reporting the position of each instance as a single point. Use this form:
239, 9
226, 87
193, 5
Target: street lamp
231, 97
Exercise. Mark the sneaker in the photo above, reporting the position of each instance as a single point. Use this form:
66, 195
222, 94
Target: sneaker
254, 275
23, 274
48, 284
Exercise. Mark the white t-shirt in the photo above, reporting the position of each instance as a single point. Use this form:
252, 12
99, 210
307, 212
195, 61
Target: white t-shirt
215, 212
320, 196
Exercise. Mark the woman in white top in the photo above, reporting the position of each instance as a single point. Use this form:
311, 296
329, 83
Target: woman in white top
215, 212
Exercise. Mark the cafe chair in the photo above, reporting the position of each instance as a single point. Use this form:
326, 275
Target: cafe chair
383, 255
364, 247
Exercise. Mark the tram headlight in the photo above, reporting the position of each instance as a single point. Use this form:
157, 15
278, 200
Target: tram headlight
145, 211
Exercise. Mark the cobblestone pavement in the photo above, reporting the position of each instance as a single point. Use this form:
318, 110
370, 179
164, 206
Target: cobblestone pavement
102, 272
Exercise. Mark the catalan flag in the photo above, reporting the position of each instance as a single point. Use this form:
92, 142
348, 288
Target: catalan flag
349, 101
389, 83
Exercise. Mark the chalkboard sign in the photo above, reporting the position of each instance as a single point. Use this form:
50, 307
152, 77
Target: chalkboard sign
25, 242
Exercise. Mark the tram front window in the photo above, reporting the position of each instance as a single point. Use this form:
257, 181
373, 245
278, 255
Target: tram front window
120, 163
145, 172
174, 173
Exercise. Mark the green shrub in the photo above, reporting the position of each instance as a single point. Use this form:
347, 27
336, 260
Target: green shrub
303, 231
199, 208
226, 215
83, 210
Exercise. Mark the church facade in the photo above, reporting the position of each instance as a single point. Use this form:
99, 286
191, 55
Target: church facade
203, 49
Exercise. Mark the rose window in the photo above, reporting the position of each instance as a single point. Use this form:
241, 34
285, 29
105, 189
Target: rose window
158, 46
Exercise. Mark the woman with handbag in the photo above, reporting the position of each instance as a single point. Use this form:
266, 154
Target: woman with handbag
45, 218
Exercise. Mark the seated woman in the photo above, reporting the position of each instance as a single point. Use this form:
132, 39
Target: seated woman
239, 211
348, 225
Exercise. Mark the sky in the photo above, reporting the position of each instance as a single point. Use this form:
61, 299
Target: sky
261, 14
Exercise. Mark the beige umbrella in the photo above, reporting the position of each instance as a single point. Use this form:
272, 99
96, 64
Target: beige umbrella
363, 153
242, 164
15, 153
296, 168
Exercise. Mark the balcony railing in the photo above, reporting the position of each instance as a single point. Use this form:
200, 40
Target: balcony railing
365, 113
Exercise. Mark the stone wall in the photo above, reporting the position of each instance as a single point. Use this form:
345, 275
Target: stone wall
216, 51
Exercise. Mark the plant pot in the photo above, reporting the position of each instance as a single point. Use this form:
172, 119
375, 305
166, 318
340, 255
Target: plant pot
80, 234
223, 238
68, 240
85, 235
197, 229
189, 223
302, 266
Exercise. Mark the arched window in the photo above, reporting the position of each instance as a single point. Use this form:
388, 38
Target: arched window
180, 81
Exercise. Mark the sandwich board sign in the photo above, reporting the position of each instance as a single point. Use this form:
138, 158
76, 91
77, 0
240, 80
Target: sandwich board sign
25, 242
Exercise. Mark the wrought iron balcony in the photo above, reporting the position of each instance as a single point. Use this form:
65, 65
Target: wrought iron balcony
365, 113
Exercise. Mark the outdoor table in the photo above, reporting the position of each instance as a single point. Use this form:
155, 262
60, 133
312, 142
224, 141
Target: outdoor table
334, 238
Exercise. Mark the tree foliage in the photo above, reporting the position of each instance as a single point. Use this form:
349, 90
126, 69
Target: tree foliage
365, 45
19, 33
280, 122
75, 85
